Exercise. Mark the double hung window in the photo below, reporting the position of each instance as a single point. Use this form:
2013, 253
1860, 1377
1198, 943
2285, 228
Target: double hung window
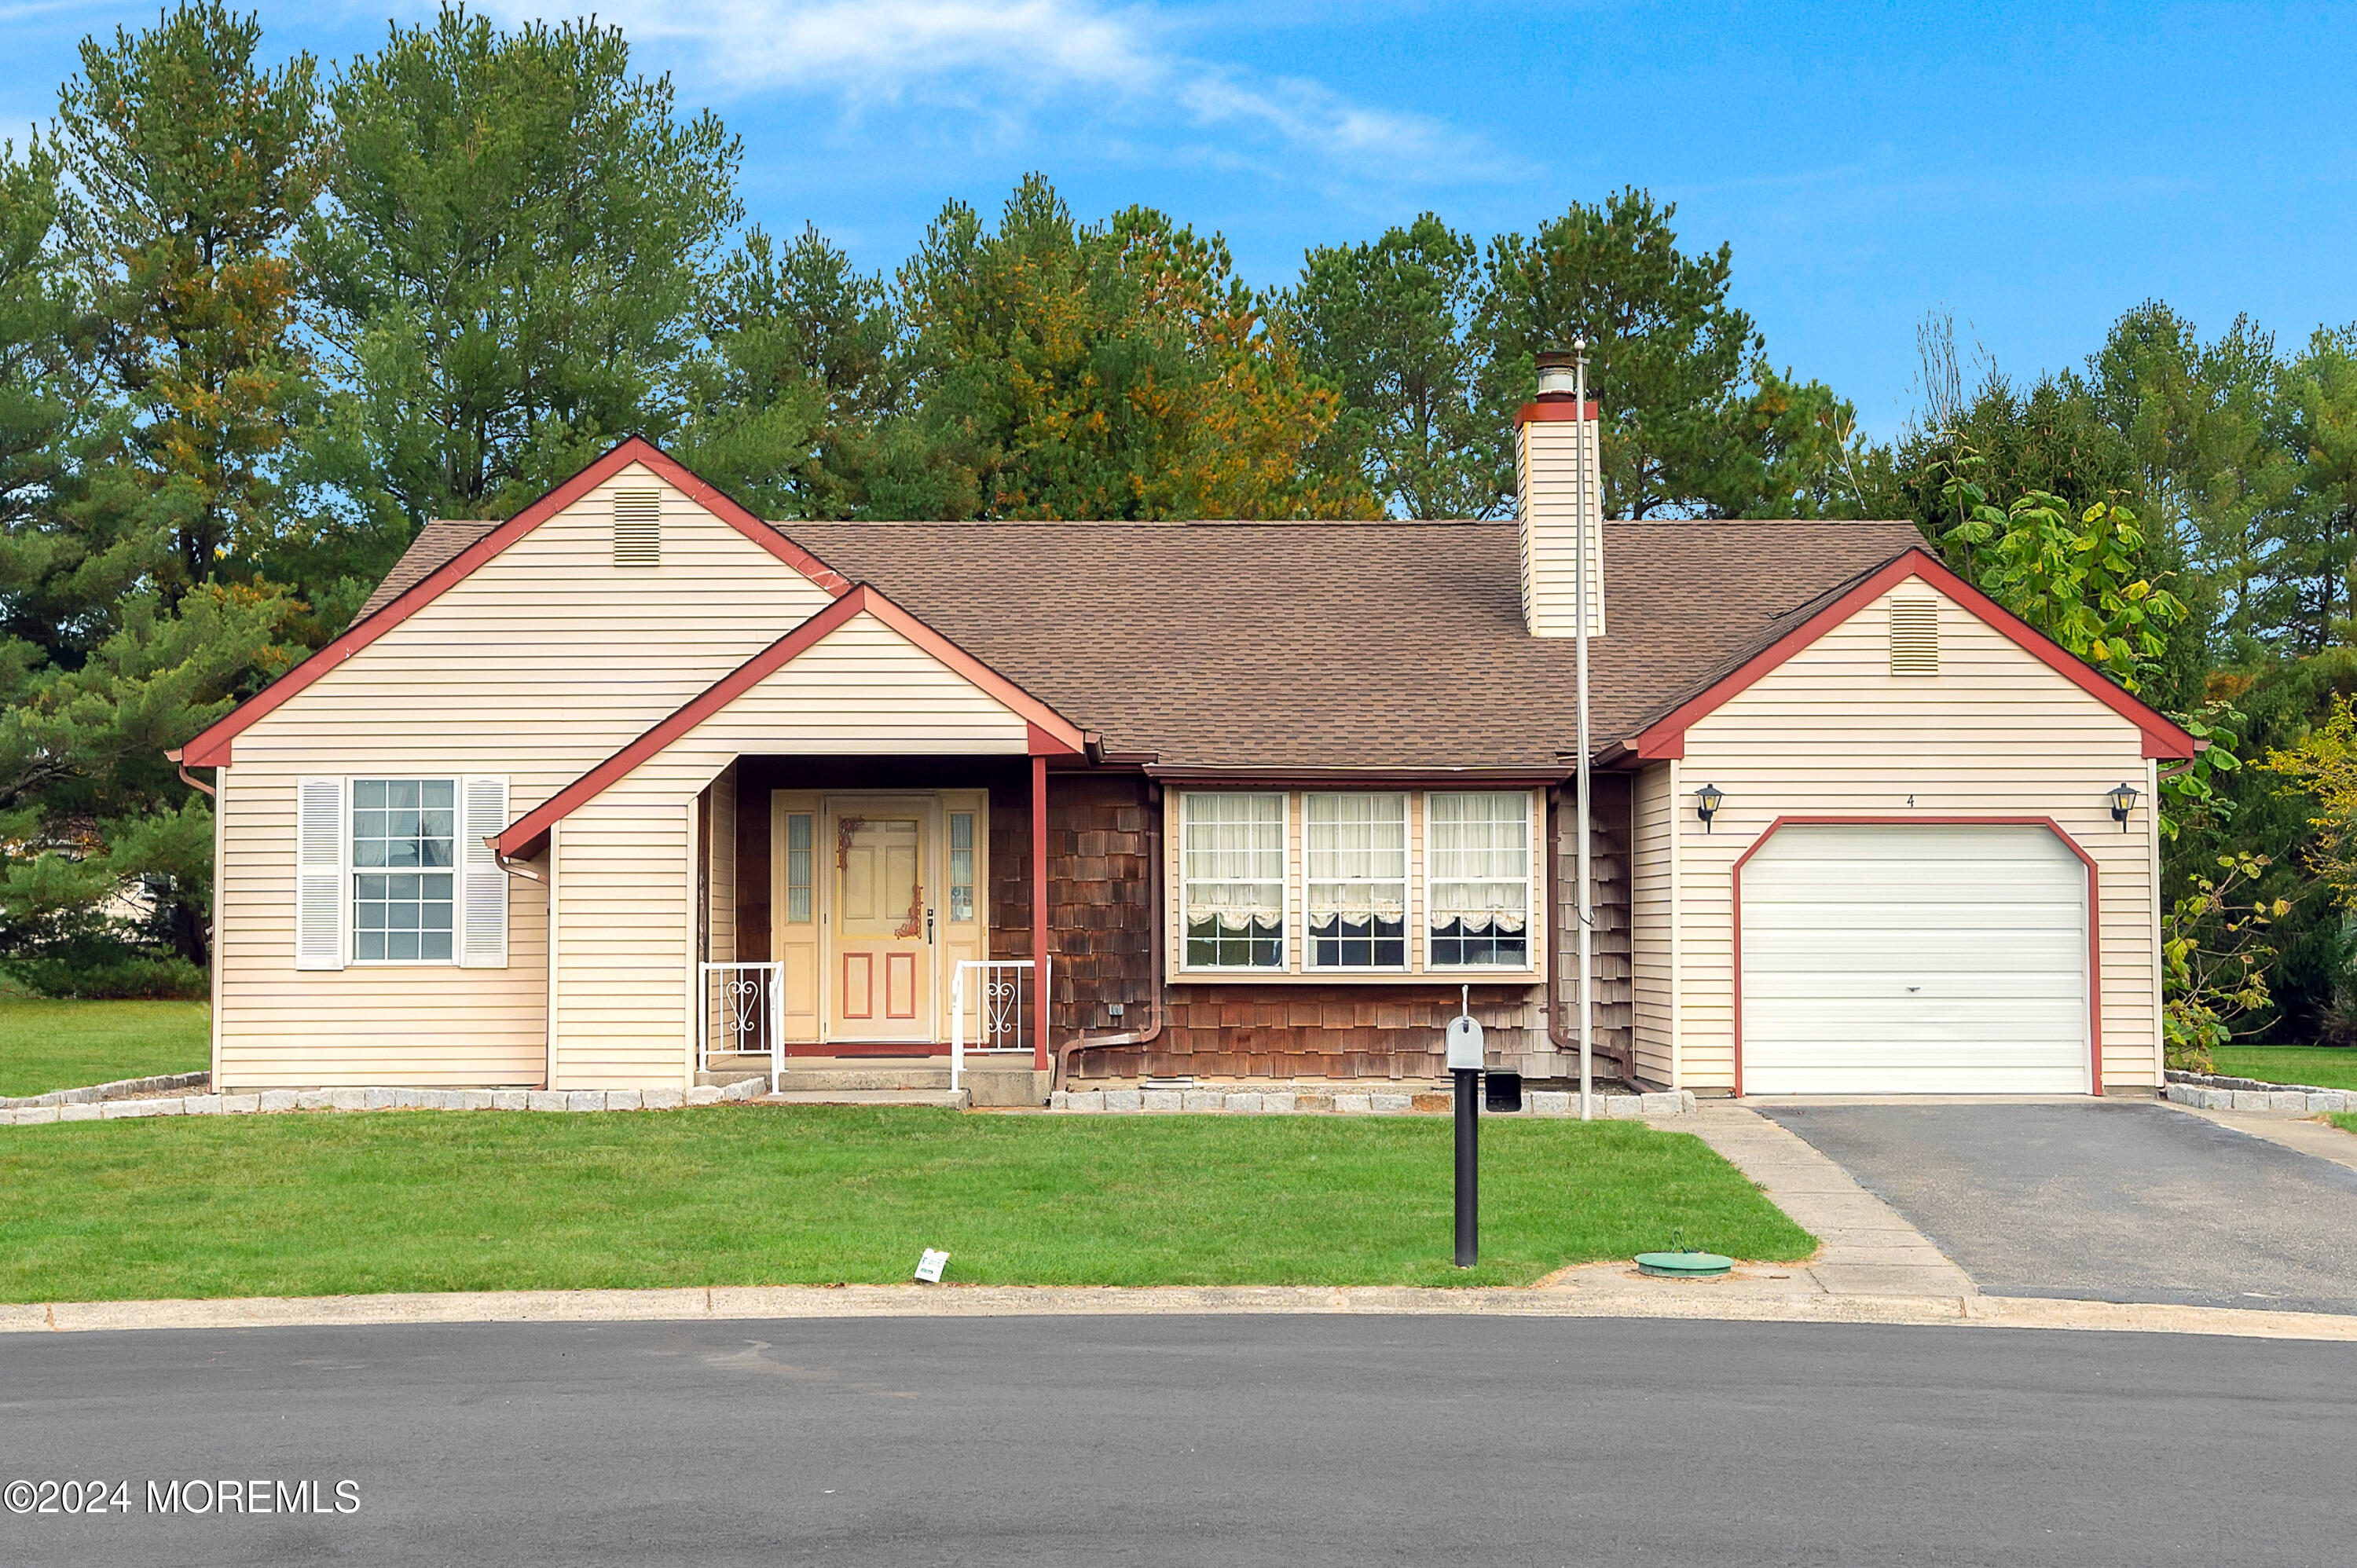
1232, 870
1478, 881
1355, 876
404, 844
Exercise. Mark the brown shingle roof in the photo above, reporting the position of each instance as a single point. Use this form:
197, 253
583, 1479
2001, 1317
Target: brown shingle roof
1309, 645
1329, 645
436, 543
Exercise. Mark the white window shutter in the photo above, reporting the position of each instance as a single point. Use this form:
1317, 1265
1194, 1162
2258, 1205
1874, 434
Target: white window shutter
321, 896
483, 919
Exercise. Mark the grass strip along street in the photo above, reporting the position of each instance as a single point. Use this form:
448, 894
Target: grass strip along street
328, 1204
49, 1045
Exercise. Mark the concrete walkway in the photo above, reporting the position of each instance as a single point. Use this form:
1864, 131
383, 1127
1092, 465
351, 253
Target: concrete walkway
2322, 1139
1869, 1250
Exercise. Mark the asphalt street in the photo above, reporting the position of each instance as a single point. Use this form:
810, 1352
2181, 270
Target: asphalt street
1187, 1440
2104, 1201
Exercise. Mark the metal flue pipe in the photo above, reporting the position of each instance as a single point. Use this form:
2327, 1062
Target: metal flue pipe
1585, 893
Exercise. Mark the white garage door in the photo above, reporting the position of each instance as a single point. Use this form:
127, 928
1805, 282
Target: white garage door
1914, 961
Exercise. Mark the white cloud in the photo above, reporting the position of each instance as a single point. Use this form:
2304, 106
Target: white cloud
1007, 57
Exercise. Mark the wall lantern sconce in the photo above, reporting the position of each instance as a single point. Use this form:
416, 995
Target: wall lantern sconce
1708, 800
2122, 799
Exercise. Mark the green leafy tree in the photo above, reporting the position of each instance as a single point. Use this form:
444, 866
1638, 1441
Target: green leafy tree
1119, 369
2075, 578
1391, 324
799, 402
2214, 956
2318, 424
1694, 420
2202, 423
191, 166
520, 240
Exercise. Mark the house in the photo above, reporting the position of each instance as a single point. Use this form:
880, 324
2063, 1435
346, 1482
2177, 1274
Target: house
635, 785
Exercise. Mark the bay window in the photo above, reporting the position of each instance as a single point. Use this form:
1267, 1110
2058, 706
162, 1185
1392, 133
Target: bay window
1368, 884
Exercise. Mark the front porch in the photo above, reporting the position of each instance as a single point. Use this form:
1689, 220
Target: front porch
868, 925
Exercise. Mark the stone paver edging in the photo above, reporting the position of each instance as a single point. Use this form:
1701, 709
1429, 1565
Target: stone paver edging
279, 1100
1286, 1100
2213, 1091
120, 1089
1614, 1295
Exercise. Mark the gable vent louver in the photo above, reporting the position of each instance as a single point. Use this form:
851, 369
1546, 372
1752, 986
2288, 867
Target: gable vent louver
1914, 637
637, 528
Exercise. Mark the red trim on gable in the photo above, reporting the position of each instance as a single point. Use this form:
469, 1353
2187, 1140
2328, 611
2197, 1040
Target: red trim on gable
1046, 730
2095, 914
212, 747
1666, 737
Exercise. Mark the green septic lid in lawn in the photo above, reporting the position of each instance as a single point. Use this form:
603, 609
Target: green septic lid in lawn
1683, 1264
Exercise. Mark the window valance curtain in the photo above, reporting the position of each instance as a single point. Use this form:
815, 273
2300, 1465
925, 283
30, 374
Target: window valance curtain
1479, 852
1356, 865
1234, 857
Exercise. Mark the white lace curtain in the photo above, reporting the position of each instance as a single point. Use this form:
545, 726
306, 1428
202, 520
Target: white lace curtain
1234, 860
1357, 857
1479, 849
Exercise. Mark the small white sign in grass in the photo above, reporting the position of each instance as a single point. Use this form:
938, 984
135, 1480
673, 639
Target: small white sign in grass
929, 1267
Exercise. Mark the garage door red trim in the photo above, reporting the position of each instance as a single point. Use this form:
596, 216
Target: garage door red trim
2095, 914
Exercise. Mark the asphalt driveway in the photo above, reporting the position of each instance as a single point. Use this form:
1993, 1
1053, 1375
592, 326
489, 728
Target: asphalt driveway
2104, 1201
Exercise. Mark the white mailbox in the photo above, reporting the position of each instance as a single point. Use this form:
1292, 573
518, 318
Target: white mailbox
1464, 1043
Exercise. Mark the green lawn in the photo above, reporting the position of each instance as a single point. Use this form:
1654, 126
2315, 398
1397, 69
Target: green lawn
2325, 1067
334, 1204
47, 1045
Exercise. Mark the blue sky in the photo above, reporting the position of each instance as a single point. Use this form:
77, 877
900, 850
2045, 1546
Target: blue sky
2033, 169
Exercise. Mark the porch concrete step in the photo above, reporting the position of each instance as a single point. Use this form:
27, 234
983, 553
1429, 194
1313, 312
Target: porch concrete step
840, 1075
945, 1098
829, 1074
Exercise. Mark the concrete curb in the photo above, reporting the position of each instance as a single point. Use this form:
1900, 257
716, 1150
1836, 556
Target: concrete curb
1619, 1296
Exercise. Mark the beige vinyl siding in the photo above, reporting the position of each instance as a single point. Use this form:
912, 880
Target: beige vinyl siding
1652, 921
625, 866
1831, 731
542, 662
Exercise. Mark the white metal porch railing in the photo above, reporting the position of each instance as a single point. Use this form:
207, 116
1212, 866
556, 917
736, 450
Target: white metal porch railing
743, 1014
990, 1009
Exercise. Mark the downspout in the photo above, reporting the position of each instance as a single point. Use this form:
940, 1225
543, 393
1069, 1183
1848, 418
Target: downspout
1152, 1029
1555, 1037
190, 779
518, 868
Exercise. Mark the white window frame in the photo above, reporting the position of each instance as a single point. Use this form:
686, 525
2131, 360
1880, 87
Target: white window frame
1535, 930
1284, 883
354, 871
1406, 885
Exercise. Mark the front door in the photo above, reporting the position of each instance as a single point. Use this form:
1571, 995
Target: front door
881, 973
